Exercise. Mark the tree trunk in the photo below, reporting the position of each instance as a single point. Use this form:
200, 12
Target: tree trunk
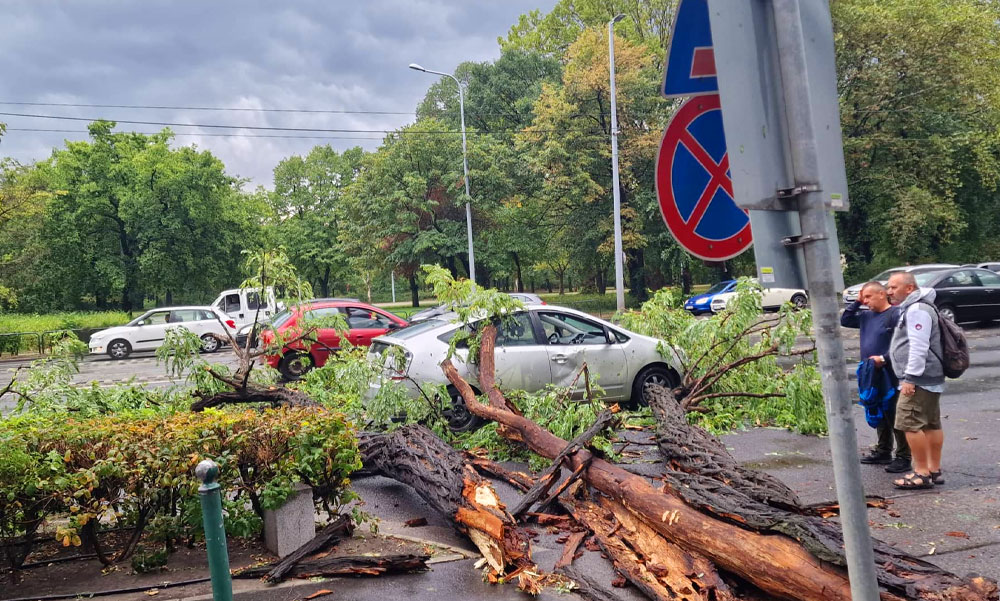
170, 298
438, 473
637, 275
686, 279
518, 279
548, 285
414, 291
776, 564
324, 283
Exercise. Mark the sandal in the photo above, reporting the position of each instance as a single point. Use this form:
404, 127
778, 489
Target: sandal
914, 481
937, 477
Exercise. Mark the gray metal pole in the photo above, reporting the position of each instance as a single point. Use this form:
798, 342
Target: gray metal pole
465, 166
392, 277
820, 276
619, 260
468, 195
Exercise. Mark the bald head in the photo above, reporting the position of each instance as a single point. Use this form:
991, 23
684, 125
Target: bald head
875, 296
901, 285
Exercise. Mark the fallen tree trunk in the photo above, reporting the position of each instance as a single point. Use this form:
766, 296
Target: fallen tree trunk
656, 567
347, 566
438, 473
774, 563
333, 533
701, 470
276, 396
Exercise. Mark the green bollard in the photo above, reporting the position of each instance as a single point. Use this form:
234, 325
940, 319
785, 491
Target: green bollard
215, 532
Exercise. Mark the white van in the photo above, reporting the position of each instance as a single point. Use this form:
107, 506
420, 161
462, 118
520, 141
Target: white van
242, 305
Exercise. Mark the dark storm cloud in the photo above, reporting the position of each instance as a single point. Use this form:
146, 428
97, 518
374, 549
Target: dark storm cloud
251, 54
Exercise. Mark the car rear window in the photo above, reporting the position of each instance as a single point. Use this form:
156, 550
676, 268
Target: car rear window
416, 329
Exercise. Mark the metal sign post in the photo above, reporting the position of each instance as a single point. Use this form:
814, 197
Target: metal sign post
777, 82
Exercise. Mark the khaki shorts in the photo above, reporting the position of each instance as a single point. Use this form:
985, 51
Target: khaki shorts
918, 411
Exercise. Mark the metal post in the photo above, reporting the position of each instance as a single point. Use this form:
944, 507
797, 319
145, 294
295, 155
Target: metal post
392, 278
820, 276
619, 267
468, 195
215, 532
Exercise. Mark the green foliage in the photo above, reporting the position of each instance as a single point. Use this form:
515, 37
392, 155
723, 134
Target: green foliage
732, 338
113, 468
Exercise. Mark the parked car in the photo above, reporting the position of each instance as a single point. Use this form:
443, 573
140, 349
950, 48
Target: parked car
438, 310
538, 346
148, 331
702, 303
253, 329
364, 321
964, 294
992, 266
771, 300
851, 293
244, 305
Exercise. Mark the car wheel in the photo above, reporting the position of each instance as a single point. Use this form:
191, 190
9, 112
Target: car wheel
209, 343
947, 311
295, 365
460, 419
800, 301
119, 349
654, 375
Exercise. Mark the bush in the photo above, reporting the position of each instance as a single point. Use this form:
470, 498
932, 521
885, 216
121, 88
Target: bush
791, 396
133, 469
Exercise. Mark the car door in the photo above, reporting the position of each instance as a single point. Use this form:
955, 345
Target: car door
256, 304
521, 356
572, 341
232, 305
365, 324
962, 292
327, 338
990, 283
150, 332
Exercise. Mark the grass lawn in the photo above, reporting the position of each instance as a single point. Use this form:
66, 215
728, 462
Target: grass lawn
70, 320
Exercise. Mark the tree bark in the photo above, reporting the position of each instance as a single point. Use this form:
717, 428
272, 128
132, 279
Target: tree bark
438, 473
348, 566
776, 564
276, 396
414, 291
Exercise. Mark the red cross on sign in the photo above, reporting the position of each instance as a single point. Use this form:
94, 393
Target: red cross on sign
694, 186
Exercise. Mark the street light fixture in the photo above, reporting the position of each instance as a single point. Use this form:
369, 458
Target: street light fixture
465, 166
619, 260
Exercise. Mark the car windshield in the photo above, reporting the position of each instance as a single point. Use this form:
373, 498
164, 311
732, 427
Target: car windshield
417, 328
279, 319
884, 275
717, 288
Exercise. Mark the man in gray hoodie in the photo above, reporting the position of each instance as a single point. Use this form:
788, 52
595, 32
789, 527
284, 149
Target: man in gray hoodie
915, 353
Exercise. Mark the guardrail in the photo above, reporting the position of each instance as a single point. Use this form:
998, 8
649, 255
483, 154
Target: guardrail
40, 343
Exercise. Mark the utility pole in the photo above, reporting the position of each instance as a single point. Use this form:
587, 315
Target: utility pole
619, 259
465, 166
392, 277
814, 221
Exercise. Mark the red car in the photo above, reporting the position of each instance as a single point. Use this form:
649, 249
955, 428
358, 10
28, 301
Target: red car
365, 322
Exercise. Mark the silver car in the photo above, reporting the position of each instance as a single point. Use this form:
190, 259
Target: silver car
851, 293
540, 345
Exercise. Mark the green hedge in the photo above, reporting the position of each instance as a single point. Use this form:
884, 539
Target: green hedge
136, 471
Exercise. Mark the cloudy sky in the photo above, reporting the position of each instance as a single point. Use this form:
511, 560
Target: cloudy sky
312, 54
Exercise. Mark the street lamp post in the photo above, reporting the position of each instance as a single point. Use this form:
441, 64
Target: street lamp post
465, 166
619, 261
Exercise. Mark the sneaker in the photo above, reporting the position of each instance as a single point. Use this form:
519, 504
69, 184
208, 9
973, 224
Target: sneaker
876, 456
898, 466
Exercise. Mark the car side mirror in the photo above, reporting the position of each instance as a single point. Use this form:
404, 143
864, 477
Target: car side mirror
142, 322
393, 325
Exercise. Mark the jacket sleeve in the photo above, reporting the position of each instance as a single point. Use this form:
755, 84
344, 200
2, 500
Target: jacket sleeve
918, 327
850, 318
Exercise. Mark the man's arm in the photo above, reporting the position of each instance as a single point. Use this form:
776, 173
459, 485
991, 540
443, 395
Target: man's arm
918, 327
851, 317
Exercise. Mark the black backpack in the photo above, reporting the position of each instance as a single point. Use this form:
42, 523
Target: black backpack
954, 346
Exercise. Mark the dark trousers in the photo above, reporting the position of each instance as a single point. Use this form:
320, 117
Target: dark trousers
886, 433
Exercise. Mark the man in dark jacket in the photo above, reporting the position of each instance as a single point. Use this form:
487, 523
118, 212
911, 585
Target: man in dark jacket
877, 325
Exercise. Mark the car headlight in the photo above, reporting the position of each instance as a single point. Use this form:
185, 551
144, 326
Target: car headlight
701, 301
245, 330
